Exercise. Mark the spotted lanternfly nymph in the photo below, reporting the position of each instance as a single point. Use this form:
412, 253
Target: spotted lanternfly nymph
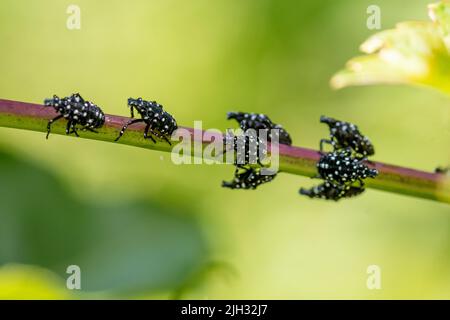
339, 167
346, 134
158, 122
344, 166
248, 178
330, 191
77, 111
249, 149
253, 149
260, 121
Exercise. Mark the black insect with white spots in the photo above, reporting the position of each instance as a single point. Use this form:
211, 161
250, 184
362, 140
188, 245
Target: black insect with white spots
158, 122
344, 166
249, 149
331, 191
347, 135
255, 146
77, 111
258, 121
248, 178
253, 149
339, 167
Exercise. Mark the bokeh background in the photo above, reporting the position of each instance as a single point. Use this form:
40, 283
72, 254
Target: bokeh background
140, 226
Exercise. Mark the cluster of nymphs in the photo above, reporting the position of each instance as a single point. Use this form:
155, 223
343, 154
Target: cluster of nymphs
342, 169
248, 174
89, 116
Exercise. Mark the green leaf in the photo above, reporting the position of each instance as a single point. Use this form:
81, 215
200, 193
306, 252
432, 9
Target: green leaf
414, 53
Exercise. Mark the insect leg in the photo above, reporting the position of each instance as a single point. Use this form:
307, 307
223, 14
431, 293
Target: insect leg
361, 183
236, 171
306, 192
74, 129
259, 162
69, 125
49, 124
165, 138
227, 184
126, 126
322, 142
146, 135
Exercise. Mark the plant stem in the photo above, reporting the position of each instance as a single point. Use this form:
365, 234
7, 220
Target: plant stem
294, 160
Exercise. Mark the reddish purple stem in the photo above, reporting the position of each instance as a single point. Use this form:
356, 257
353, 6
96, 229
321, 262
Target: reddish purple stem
294, 160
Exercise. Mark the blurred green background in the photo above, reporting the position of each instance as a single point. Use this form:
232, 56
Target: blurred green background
140, 226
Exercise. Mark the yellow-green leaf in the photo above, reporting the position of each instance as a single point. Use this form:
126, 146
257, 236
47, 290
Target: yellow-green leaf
413, 53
